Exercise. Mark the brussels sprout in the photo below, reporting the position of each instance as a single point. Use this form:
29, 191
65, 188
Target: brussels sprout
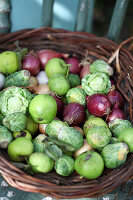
118, 125
20, 78
98, 136
96, 83
5, 137
114, 155
43, 144
66, 137
74, 80
38, 143
93, 121
1, 118
15, 99
76, 95
64, 165
101, 66
15, 121
113, 140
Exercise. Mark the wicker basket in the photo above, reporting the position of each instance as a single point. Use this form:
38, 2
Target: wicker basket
77, 43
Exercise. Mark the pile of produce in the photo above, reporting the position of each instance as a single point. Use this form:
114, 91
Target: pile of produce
58, 113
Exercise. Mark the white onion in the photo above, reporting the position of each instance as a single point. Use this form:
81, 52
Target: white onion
2, 80
85, 147
42, 128
42, 77
42, 89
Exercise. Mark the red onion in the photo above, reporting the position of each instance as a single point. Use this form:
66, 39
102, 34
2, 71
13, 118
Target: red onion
98, 105
74, 114
85, 71
46, 54
115, 98
75, 67
60, 105
31, 63
116, 113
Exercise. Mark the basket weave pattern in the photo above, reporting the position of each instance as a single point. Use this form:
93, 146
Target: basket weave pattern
74, 43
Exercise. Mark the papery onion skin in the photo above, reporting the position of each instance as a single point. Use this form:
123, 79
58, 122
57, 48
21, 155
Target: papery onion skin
85, 147
45, 55
84, 71
98, 105
75, 65
31, 63
60, 105
42, 128
42, 77
74, 114
42, 89
116, 98
115, 113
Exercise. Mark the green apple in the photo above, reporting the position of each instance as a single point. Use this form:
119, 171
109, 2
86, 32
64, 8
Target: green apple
8, 62
40, 162
31, 126
89, 164
19, 149
59, 84
127, 136
55, 66
23, 133
43, 108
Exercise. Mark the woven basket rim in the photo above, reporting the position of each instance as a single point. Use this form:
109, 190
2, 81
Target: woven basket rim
98, 47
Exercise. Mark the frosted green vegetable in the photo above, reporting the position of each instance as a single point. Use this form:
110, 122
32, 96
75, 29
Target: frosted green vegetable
5, 137
93, 121
96, 83
118, 125
101, 66
98, 136
64, 136
115, 155
74, 80
15, 99
64, 166
20, 78
76, 95
43, 144
15, 121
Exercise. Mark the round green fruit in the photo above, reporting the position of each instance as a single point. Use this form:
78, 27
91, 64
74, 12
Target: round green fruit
55, 66
43, 108
89, 165
31, 126
127, 136
23, 133
40, 163
19, 149
8, 62
59, 84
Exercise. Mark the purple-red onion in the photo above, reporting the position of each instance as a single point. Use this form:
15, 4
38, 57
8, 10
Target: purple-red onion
75, 65
31, 63
115, 113
98, 105
116, 98
74, 114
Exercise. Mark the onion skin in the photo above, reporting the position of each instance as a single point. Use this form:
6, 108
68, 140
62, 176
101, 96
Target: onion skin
116, 98
85, 147
45, 55
74, 114
33, 81
42, 128
42, 89
85, 70
75, 65
42, 77
31, 63
79, 129
60, 105
98, 105
115, 113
